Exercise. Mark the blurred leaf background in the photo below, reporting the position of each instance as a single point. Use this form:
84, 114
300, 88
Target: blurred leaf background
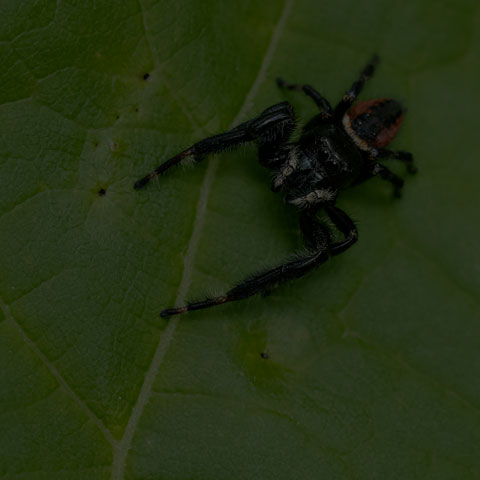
374, 366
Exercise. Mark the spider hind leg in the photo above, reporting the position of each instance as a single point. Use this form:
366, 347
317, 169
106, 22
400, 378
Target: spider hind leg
405, 157
357, 86
322, 103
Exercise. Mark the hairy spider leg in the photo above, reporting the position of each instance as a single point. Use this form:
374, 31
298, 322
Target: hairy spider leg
389, 176
320, 248
322, 103
346, 225
351, 95
273, 126
405, 157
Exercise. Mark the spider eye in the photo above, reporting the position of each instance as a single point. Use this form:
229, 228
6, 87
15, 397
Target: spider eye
324, 154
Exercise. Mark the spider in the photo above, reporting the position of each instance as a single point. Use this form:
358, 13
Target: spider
339, 147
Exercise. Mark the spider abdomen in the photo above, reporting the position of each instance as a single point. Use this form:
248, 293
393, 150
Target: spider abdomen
373, 123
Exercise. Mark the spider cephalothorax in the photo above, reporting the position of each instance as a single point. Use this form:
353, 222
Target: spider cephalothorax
337, 148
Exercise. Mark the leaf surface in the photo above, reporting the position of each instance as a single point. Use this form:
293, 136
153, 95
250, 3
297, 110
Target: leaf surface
373, 367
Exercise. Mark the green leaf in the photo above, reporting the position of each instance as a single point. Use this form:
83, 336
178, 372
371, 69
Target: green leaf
373, 367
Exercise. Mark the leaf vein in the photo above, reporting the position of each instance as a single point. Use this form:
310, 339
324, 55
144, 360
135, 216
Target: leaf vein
53, 370
123, 447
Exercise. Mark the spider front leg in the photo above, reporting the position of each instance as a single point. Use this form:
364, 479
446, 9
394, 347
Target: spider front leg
346, 225
274, 125
320, 248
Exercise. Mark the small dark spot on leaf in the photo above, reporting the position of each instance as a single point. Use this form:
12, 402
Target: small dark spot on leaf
117, 116
265, 355
137, 109
96, 143
146, 76
102, 192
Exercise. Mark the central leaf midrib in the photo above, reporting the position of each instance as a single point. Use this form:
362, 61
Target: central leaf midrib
121, 451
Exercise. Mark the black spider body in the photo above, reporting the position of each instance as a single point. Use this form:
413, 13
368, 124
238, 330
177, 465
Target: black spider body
337, 148
330, 157
327, 160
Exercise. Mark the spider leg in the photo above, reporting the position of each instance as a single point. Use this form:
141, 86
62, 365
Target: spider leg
273, 125
386, 174
313, 199
351, 95
319, 249
346, 225
322, 103
405, 157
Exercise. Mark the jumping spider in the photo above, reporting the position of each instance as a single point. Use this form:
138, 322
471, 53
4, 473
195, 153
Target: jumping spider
337, 148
